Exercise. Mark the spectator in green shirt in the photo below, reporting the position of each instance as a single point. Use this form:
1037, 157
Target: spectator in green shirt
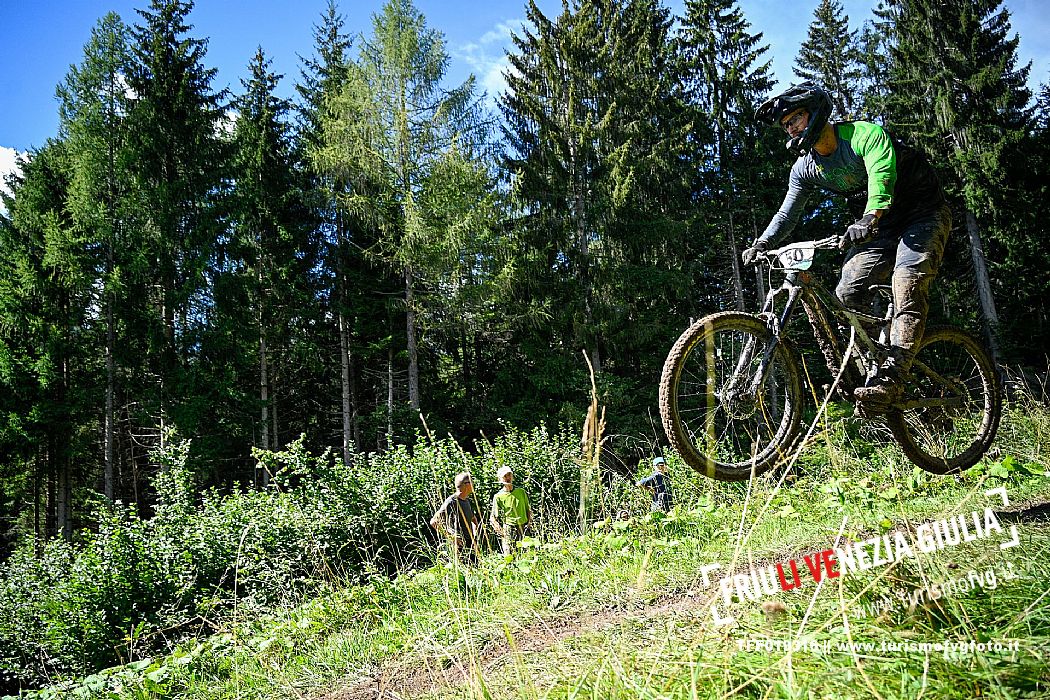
511, 512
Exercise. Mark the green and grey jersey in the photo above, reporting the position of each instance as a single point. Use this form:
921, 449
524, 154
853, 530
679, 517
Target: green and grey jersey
871, 170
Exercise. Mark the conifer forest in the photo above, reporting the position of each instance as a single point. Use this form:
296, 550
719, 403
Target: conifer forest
194, 280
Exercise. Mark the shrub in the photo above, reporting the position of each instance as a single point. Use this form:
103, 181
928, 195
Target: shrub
135, 586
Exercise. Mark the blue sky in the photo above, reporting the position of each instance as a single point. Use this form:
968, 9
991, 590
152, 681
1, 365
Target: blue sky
39, 40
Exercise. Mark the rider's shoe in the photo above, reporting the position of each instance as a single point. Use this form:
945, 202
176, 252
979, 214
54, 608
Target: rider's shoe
880, 390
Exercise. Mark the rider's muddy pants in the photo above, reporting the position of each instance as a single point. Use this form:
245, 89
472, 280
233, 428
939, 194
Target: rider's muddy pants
910, 255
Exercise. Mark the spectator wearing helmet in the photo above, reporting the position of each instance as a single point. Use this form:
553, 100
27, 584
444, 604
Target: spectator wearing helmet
902, 216
657, 484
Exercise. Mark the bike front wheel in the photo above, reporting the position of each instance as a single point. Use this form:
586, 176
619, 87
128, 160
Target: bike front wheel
722, 418
951, 406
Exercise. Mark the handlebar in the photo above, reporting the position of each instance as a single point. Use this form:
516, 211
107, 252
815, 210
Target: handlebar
829, 243
797, 256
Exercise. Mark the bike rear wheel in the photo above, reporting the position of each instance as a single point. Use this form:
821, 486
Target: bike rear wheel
952, 404
718, 424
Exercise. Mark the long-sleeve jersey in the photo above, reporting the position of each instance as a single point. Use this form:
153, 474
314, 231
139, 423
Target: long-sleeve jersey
871, 169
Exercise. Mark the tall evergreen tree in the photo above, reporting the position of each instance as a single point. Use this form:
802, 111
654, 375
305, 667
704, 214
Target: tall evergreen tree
727, 77
322, 75
831, 56
269, 256
874, 43
354, 281
46, 342
178, 156
552, 109
956, 88
1021, 230
596, 128
464, 324
93, 121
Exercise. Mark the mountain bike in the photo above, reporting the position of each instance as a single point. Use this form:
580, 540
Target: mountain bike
732, 392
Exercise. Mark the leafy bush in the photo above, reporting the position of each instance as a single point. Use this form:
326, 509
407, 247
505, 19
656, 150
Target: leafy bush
135, 586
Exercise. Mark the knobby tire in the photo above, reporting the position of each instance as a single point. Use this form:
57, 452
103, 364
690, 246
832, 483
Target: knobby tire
693, 376
949, 440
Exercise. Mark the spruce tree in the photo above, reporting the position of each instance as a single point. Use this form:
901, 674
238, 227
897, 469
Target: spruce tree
551, 111
265, 281
93, 121
178, 156
1021, 231
323, 74
957, 90
830, 56
596, 130
728, 77
874, 43
47, 343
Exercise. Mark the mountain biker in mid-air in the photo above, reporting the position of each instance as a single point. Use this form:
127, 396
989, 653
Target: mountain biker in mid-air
902, 217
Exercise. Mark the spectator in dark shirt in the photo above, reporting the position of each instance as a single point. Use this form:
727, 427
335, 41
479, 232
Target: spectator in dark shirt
458, 519
657, 483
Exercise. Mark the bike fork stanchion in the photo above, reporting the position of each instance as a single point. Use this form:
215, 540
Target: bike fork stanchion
809, 432
775, 324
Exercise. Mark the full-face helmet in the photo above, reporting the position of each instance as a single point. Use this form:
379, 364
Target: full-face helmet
808, 96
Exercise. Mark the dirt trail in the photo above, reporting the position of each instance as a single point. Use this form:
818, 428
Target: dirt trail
413, 675
407, 678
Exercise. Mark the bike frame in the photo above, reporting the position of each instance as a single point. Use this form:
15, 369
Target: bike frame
821, 307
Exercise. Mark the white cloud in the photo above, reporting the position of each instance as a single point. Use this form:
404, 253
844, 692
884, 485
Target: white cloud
501, 32
8, 165
488, 55
227, 124
494, 81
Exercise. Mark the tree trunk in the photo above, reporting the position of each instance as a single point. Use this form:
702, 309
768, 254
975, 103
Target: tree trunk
390, 397
410, 334
134, 471
50, 511
984, 286
344, 358
355, 406
727, 187
111, 331
348, 404
275, 440
64, 500
111, 338
37, 529
583, 245
760, 279
169, 358
264, 398
464, 345
734, 254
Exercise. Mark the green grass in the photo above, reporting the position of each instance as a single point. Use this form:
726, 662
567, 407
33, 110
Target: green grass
677, 653
621, 612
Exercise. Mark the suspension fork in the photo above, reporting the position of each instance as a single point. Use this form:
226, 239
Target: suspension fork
775, 324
